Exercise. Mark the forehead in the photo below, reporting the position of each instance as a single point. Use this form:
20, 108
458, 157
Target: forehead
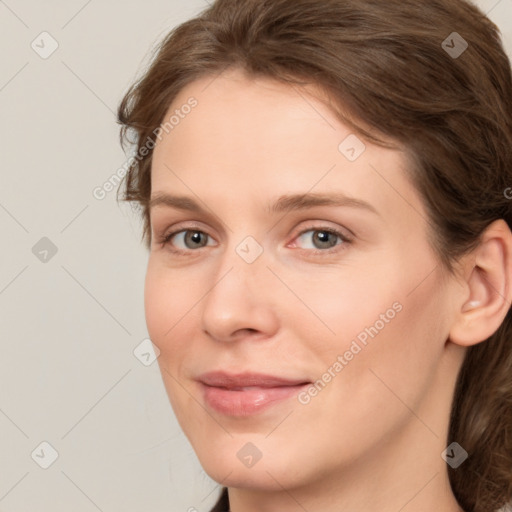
256, 113
258, 136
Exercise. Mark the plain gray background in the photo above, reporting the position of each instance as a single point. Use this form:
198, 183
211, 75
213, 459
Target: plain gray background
71, 319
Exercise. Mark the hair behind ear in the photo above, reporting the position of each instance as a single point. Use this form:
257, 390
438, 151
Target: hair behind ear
481, 418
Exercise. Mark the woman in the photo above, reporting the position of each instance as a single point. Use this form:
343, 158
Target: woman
324, 195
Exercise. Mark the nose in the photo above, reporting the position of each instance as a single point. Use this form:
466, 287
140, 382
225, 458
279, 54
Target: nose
240, 301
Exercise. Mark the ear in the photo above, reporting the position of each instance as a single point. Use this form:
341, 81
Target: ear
488, 278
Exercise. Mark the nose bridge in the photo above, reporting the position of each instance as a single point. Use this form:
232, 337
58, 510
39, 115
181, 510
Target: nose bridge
240, 296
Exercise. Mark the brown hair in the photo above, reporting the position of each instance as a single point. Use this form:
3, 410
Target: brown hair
388, 68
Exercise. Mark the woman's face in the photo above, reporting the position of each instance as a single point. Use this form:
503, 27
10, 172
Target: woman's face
258, 285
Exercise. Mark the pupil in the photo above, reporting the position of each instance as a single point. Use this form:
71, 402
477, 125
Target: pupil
196, 237
323, 236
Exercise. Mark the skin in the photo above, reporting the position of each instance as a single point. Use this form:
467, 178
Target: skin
372, 438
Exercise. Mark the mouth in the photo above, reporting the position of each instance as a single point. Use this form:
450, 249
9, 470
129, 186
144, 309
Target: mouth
248, 393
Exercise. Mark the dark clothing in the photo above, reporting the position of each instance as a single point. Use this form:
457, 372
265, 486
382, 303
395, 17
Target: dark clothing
223, 504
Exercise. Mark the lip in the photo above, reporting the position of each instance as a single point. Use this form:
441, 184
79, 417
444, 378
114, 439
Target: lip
245, 394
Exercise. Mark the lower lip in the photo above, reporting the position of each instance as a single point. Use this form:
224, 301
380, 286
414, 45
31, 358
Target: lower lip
249, 401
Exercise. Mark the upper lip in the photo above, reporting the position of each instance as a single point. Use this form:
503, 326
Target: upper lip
221, 379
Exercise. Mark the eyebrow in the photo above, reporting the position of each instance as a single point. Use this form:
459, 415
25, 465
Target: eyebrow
284, 204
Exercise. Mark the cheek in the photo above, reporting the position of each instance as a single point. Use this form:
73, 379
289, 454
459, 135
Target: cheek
396, 366
156, 302
167, 305
349, 304
383, 322
399, 360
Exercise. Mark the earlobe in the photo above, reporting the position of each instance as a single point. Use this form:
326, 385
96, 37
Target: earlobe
489, 283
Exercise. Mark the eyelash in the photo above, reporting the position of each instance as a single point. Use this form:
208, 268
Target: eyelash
166, 239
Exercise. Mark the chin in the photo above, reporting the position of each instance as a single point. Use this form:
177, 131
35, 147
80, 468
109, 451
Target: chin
253, 478
230, 465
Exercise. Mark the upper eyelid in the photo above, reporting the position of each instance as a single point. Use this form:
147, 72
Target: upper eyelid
222, 228
178, 227
196, 226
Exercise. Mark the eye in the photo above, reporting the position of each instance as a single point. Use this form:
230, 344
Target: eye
314, 240
190, 239
322, 239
